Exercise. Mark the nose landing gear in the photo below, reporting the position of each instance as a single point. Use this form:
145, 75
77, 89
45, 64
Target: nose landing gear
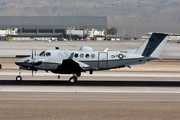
19, 78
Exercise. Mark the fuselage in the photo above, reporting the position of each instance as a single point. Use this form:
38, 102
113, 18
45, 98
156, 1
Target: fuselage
77, 61
52, 60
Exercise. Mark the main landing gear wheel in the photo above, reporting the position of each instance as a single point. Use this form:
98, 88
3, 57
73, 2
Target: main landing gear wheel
73, 79
18, 78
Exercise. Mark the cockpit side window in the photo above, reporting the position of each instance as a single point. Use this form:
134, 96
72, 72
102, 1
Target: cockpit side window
48, 54
42, 53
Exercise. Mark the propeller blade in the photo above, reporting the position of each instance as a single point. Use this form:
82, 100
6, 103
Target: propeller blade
32, 54
35, 52
32, 72
32, 67
32, 63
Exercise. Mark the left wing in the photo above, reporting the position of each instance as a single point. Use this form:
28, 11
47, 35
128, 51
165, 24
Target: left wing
70, 63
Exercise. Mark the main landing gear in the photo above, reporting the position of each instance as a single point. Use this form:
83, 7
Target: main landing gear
19, 78
74, 78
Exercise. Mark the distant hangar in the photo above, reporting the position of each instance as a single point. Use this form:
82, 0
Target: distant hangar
42, 26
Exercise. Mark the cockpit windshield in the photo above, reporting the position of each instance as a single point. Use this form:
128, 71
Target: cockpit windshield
42, 53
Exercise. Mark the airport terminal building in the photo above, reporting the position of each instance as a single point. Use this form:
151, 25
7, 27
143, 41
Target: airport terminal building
41, 26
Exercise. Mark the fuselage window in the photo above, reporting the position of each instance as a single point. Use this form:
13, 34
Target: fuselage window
48, 54
87, 55
76, 55
59, 54
93, 56
42, 53
112, 56
81, 55
65, 54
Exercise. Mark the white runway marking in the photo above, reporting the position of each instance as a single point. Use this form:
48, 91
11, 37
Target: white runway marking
100, 89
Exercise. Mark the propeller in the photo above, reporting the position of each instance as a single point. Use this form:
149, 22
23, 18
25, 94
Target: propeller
32, 63
35, 52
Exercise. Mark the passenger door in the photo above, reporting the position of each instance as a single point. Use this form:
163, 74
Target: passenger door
102, 60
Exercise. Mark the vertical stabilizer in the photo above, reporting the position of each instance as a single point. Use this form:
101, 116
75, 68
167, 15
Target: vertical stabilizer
153, 46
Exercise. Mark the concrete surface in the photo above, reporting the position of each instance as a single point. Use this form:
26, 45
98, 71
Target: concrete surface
13, 48
55, 110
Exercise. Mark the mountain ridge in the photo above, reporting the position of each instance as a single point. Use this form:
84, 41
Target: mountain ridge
154, 14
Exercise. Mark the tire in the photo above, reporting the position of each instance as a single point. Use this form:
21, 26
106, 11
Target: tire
73, 79
18, 78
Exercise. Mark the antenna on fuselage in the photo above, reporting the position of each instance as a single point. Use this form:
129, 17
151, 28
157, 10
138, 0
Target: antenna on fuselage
57, 48
106, 50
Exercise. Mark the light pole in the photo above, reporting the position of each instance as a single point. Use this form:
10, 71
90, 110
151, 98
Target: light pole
123, 30
117, 31
135, 29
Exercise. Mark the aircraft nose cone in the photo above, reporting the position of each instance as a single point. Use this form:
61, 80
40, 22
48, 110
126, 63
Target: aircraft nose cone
22, 62
19, 62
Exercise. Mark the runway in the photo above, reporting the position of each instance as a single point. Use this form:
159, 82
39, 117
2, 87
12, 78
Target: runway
98, 97
36, 103
152, 78
109, 87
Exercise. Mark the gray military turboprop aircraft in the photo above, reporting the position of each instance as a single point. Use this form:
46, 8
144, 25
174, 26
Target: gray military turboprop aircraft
77, 61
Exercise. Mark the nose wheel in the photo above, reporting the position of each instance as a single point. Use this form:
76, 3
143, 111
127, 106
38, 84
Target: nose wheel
18, 78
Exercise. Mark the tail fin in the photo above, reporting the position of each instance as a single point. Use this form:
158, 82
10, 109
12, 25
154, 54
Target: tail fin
153, 46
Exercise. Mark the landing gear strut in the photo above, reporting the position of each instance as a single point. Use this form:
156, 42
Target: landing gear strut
19, 78
58, 76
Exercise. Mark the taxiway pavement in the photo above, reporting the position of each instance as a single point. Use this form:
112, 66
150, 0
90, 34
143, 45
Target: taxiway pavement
13, 48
